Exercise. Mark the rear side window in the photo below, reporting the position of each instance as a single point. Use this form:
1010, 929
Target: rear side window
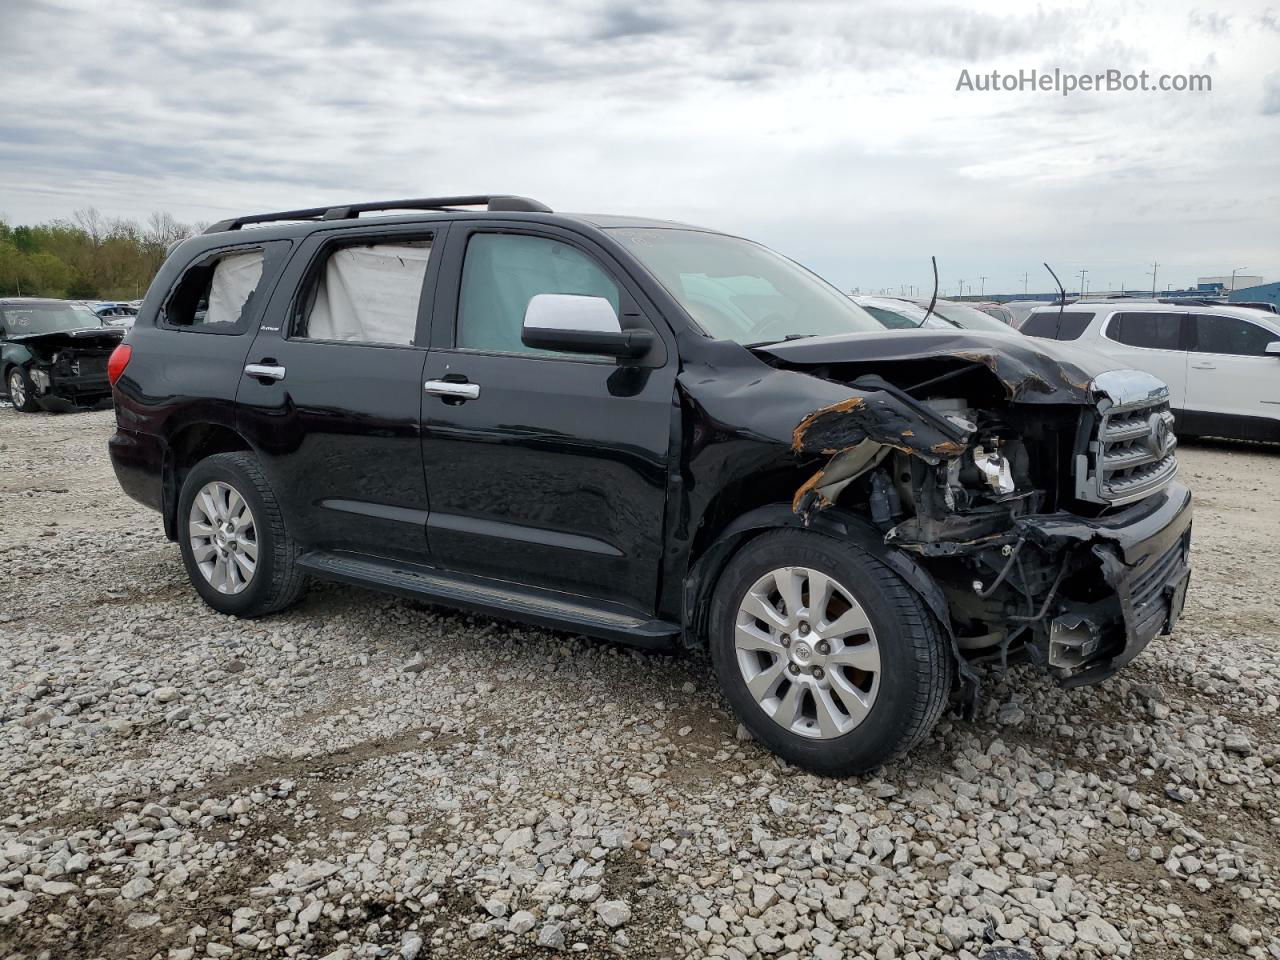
214, 295
1155, 331
365, 292
1230, 335
1072, 325
502, 272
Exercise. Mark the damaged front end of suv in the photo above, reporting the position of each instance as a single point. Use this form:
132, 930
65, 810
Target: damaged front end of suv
1027, 491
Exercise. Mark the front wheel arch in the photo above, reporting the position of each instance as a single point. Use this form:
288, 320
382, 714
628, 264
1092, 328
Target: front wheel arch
834, 522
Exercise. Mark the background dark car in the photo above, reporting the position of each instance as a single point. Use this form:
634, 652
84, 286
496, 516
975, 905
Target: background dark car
53, 354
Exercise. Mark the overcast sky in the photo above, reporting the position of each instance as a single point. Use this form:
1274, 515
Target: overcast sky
832, 131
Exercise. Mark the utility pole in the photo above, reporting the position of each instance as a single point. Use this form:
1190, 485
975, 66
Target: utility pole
960, 295
1155, 265
982, 287
1082, 274
1024, 284
1233, 277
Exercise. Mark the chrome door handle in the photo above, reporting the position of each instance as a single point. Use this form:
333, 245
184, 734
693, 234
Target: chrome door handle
265, 371
448, 388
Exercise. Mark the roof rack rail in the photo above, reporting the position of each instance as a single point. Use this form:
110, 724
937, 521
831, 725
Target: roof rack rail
496, 202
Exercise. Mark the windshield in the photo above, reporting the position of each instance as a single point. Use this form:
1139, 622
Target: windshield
22, 319
738, 290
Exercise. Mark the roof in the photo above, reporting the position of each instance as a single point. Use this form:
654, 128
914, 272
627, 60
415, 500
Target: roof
14, 301
504, 206
1155, 306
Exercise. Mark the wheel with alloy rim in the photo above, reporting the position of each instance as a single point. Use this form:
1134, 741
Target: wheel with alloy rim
21, 394
807, 652
825, 653
224, 538
238, 553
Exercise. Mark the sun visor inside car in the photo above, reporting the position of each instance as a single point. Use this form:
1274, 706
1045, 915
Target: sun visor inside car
370, 293
234, 278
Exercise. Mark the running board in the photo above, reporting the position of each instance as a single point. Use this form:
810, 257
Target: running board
546, 608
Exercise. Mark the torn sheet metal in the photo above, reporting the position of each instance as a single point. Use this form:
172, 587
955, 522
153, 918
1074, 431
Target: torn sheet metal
1030, 370
859, 431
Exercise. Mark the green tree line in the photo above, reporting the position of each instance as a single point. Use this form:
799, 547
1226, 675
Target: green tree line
89, 257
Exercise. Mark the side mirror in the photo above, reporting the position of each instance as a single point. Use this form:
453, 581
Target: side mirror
578, 324
1272, 348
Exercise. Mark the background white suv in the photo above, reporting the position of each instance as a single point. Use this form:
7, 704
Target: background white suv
1222, 364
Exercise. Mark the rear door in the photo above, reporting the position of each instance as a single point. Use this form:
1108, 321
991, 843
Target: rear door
331, 391
1229, 372
553, 472
1154, 341
190, 358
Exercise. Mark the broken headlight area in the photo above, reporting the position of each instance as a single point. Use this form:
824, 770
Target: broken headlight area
40, 379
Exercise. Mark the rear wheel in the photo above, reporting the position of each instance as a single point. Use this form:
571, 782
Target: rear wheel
826, 654
238, 554
22, 392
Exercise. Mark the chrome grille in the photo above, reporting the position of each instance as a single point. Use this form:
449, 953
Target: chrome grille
1132, 452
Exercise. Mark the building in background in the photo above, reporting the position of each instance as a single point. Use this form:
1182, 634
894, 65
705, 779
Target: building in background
1262, 293
1221, 285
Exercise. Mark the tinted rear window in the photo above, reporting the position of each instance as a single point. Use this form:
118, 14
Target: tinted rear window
1047, 325
1155, 331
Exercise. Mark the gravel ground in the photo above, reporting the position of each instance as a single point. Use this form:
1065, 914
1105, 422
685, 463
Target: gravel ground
364, 776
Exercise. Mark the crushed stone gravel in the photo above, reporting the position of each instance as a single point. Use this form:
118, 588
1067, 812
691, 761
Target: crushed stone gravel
364, 776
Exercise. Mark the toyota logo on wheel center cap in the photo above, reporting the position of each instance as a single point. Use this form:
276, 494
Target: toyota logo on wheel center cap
802, 652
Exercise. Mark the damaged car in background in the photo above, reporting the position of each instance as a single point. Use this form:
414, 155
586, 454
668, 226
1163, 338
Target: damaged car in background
656, 434
53, 355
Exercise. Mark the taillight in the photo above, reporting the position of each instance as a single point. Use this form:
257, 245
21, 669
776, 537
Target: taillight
118, 360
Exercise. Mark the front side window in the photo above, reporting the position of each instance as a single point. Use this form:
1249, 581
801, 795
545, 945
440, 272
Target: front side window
1231, 335
968, 318
1050, 325
735, 289
1155, 331
213, 295
26, 319
367, 293
893, 319
502, 272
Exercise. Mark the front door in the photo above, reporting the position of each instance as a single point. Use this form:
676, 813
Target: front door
1151, 341
1229, 372
553, 472
331, 392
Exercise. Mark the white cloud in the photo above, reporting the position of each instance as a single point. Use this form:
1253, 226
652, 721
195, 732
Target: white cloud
832, 130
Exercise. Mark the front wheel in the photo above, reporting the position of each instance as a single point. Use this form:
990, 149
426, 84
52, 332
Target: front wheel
826, 655
238, 554
22, 393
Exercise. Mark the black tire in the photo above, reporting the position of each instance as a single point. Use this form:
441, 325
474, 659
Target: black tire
916, 662
277, 582
25, 388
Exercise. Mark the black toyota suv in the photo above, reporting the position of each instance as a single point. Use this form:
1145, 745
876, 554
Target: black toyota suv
651, 433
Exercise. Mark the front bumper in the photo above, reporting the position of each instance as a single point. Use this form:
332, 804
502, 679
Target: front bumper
1142, 555
59, 392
